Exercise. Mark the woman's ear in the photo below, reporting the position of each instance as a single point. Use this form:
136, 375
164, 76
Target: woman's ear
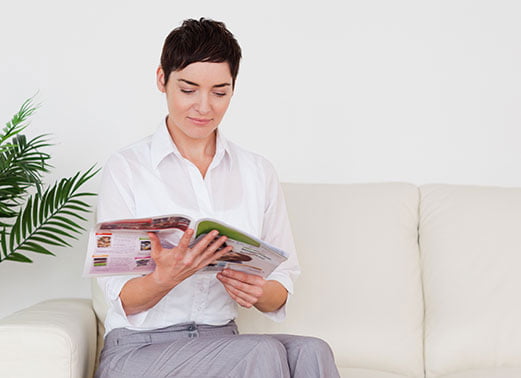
160, 79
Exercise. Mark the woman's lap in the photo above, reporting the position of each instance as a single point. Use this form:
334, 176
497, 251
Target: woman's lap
212, 352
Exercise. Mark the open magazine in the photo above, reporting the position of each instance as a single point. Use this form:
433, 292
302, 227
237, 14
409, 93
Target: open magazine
123, 246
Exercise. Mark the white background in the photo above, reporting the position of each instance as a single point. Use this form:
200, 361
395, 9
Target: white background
329, 91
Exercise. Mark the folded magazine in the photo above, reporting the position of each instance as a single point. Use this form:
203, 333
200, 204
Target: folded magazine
123, 246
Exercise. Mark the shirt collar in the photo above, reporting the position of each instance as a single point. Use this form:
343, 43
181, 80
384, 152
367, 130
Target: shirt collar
222, 149
162, 145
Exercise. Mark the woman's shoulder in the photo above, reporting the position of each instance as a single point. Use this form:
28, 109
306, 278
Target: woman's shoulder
245, 156
133, 152
253, 166
137, 147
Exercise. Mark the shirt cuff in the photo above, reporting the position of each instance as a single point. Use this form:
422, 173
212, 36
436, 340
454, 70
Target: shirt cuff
112, 289
280, 314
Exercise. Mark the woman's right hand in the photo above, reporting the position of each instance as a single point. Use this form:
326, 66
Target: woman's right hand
174, 265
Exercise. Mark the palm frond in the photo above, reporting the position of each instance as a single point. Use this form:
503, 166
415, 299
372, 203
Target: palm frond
22, 164
48, 219
18, 122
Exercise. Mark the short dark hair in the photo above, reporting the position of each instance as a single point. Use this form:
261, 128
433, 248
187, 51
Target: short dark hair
202, 40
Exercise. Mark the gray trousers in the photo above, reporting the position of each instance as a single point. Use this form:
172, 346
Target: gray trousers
192, 350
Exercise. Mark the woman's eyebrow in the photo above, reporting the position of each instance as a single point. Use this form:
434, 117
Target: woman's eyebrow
196, 85
188, 82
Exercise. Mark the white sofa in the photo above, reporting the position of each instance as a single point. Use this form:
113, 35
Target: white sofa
402, 281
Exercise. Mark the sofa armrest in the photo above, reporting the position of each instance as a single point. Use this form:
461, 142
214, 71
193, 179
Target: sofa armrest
54, 338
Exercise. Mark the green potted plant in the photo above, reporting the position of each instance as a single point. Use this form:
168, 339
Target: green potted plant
35, 217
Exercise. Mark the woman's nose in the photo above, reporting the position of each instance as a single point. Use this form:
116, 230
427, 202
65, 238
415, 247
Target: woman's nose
203, 105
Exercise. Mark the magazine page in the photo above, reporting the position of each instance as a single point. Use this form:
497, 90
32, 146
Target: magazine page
249, 254
123, 246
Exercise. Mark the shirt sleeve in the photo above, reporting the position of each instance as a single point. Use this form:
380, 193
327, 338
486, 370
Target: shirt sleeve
276, 230
115, 198
116, 201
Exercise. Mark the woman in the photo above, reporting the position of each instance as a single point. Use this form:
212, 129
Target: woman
173, 322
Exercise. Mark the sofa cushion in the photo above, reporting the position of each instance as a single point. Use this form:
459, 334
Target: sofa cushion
367, 373
470, 242
360, 287
487, 373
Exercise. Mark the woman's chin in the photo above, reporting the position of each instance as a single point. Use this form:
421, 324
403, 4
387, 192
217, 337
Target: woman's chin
201, 133
195, 132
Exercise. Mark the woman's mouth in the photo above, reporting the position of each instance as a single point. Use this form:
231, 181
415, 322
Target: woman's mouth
200, 121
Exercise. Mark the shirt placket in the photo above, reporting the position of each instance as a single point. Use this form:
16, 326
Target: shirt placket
201, 281
200, 301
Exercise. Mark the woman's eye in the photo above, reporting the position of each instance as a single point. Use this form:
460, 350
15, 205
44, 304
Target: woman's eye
220, 94
187, 91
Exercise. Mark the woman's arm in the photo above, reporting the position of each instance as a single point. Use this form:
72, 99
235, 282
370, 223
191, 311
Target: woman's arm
172, 267
141, 293
273, 298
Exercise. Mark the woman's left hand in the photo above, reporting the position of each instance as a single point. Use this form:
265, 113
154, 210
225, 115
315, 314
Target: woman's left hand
245, 289
250, 290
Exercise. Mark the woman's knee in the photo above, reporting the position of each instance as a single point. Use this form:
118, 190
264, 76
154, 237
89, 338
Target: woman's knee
306, 345
316, 346
265, 353
264, 343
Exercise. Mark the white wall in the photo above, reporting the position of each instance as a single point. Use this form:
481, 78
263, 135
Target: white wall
331, 91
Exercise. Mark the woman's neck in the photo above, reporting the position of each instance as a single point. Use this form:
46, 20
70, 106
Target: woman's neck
198, 151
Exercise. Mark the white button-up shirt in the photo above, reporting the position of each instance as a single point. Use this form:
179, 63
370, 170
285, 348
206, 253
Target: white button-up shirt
151, 178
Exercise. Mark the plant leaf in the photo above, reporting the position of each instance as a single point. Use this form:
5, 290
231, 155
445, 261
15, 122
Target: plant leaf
33, 247
14, 256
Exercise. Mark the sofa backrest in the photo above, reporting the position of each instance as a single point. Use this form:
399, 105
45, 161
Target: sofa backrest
470, 242
360, 287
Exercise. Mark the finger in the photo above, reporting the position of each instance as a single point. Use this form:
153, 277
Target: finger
216, 244
210, 255
155, 242
185, 239
251, 279
205, 242
248, 290
210, 249
239, 297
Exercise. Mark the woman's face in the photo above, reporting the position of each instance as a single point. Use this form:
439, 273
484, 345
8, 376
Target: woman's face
197, 98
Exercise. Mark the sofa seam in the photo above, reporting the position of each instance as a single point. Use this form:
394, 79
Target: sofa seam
422, 282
